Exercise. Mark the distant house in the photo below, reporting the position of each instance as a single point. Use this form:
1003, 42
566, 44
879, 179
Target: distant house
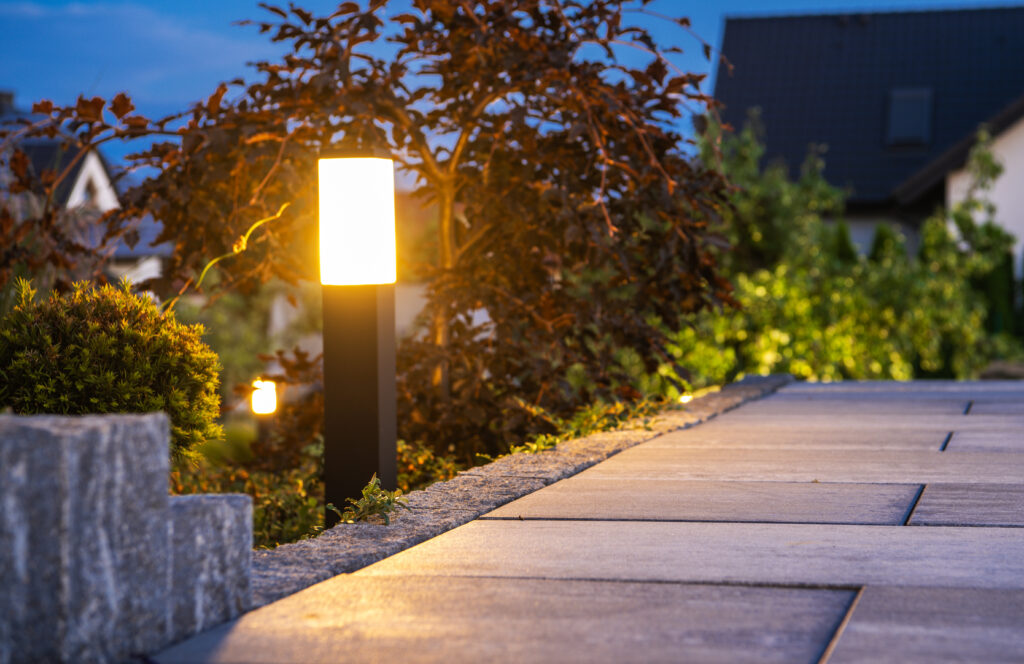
897, 98
89, 185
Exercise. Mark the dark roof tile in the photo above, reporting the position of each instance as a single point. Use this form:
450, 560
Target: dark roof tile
827, 78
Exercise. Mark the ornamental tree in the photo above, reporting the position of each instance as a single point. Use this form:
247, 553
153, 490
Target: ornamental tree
572, 224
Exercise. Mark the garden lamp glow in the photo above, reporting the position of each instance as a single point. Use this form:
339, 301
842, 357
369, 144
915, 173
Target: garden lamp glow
264, 397
357, 221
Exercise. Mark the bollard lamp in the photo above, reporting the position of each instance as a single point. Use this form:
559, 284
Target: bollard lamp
358, 273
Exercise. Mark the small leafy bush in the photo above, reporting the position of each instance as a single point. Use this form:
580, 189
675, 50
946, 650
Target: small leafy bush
419, 466
376, 502
105, 350
288, 505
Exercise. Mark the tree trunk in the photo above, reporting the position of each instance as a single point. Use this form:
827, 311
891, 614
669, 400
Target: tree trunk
441, 331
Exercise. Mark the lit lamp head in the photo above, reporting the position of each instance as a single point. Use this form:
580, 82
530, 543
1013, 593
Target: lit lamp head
264, 397
357, 221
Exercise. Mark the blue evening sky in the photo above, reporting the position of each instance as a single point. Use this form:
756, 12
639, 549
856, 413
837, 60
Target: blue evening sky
168, 53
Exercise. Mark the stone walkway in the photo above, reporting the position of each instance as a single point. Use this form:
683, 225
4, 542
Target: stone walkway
860, 522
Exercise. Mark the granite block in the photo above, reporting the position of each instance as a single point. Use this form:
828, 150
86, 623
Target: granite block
86, 576
211, 536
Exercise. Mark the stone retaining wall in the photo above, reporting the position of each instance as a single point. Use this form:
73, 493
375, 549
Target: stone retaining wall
97, 562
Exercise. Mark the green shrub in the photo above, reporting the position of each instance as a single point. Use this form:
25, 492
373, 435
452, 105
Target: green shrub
810, 306
287, 505
419, 466
105, 350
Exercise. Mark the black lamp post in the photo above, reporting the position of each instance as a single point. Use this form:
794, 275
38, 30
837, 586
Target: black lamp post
358, 272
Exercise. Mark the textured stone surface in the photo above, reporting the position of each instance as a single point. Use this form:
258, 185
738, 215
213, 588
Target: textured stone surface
670, 500
446, 505
970, 505
796, 465
1006, 440
882, 406
926, 625
792, 554
723, 432
526, 620
997, 407
211, 536
85, 564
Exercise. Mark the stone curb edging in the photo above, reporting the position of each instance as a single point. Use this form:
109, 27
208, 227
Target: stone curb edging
443, 506
97, 561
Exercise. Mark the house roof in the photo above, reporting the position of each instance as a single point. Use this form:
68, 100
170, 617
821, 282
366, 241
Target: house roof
51, 154
831, 79
935, 171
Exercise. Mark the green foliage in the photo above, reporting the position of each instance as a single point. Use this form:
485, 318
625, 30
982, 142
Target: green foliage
105, 350
419, 466
596, 417
375, 503
288, 505
814, 308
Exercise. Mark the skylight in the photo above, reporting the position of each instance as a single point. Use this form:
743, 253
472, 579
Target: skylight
910, 117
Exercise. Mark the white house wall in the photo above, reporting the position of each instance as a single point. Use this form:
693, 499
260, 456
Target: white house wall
1008, 191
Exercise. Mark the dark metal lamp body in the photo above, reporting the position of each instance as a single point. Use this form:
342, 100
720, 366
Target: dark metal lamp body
360, 423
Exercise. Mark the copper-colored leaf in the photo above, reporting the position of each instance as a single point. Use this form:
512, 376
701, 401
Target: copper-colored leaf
121, 105
19, 164
213, 103
89, 110
44, 106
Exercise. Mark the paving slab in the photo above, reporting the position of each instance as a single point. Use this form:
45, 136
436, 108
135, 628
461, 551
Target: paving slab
970, 505
674, 500
887, 406
997, 407
429, 619
722, 432
792, 554
828, 395
917, 387
879, 424
926, 625
1004, 440
794, 465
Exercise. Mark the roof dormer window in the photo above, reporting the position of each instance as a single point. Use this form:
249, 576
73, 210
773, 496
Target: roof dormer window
910, 117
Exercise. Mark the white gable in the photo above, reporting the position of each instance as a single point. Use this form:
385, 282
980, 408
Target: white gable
93, 185
1008, 191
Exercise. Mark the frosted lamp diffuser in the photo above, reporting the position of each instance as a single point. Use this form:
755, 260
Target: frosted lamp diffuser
357, 221
264, 397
